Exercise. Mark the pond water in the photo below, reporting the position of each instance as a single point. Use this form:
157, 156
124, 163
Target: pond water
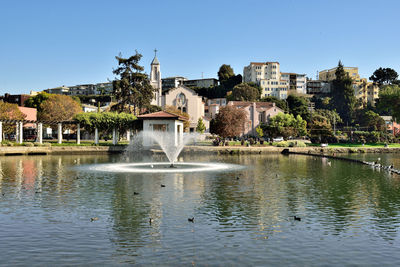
350, 213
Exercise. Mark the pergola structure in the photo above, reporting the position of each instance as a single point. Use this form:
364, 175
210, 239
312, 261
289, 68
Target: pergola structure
39, 126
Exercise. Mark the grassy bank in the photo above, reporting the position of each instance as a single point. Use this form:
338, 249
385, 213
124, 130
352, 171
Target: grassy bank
356, 145
64, 143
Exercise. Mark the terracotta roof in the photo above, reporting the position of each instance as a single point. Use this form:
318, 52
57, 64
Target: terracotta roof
30, 113
258, 104
263, 63
162, 115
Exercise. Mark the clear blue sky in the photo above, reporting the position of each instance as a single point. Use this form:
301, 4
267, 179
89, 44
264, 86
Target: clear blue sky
46, 44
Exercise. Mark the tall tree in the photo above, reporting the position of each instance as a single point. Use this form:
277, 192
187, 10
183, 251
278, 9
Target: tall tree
370, 121
132, 87
58, 108
37, 100
388, 102
229, 122
229, 84
298, 105
280, 103
227, 78
200, 126
343, 99
384, 76
10, 111
225, 72
332, 116
285, 125
321, 130
245, 92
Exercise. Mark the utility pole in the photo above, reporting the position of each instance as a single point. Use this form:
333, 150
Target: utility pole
334, 125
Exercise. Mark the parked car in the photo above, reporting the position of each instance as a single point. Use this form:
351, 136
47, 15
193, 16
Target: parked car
278, 139
30, 137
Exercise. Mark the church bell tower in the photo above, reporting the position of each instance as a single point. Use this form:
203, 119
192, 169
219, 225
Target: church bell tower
155, 80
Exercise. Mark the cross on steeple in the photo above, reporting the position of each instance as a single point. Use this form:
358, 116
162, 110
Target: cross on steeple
155, 52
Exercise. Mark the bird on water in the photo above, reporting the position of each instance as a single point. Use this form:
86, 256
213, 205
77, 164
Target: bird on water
296, 218
191, 219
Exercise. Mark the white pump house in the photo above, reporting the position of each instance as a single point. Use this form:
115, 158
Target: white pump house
163, 121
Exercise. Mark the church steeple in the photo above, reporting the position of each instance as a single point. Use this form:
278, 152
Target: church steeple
155, 59
155, 79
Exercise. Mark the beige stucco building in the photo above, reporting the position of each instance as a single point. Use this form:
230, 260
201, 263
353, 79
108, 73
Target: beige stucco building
329, 75
365, 91
257, 113
186, 100
272, 81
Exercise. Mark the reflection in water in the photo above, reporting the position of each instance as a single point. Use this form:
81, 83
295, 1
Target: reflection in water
350, 213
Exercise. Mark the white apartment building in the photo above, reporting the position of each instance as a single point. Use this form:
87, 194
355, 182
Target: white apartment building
272, 81
297, 82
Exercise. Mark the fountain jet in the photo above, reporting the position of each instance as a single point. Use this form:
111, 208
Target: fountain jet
170, 144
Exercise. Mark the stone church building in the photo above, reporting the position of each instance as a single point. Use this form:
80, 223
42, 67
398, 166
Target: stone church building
181, 97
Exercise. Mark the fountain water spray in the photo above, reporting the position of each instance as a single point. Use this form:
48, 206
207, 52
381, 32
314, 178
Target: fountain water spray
170, 144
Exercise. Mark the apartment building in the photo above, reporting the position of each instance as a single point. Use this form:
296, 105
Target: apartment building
172, 82
62, 90
272, 81
318, 87
366, 92
201, 83
297, 82
83, 89
15, 99
329, 75
103, 88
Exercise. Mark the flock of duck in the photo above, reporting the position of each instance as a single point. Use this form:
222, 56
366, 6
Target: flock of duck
378, 165
151, 220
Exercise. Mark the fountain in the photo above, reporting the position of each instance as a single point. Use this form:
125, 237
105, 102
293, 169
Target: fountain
171, 147
168, 142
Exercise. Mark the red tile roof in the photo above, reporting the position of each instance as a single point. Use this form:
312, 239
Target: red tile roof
263, 63
259, 105
162, 115
29, 112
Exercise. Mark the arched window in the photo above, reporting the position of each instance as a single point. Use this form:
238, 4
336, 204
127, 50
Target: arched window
181, 102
